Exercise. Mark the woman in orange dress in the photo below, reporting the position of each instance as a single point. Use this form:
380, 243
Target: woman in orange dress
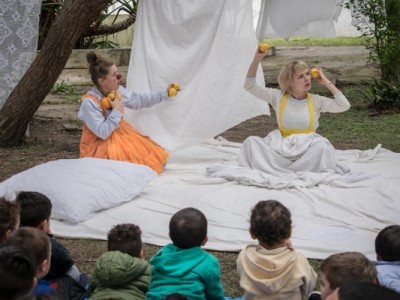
105, 133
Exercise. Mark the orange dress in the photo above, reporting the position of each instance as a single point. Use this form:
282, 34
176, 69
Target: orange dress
125, 144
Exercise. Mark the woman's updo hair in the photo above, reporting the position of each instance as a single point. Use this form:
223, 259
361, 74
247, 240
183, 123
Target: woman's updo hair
98, 66
285, 78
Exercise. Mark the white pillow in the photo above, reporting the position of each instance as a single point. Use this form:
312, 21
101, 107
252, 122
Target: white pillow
78, 188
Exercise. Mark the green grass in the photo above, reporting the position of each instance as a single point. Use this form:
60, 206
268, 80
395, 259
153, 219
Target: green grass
312, 41
63, 88
361, 128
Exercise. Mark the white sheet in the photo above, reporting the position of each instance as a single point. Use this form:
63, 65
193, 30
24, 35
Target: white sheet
327, 219
207, 48
288, 18
268, 162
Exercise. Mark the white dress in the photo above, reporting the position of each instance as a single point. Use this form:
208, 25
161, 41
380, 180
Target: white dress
298, 152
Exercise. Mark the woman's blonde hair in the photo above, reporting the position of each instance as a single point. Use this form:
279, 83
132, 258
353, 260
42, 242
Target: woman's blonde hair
286, 75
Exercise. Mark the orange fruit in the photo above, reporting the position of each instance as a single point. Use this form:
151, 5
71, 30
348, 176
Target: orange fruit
263, 47
104, 103
314, 73
172, 92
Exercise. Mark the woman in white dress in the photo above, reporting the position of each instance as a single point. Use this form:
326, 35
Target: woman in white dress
295, 147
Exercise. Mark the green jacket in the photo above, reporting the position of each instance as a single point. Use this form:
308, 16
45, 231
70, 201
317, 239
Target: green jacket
120, 276
192, 272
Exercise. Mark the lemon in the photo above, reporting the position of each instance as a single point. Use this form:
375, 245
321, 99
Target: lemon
314, 73
176, 86
111, 96
172, 92
263, 47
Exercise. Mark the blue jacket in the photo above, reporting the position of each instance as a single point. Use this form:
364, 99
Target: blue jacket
192, 272
389, 274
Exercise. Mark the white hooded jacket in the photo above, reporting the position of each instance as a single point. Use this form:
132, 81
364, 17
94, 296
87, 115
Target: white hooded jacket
281, 273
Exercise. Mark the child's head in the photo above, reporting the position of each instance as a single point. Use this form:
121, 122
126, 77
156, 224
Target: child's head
270, 223
125, 238
345, 267
363, 291
17, 272
188, 228
9, 218
35, 210
387, 244
35, 242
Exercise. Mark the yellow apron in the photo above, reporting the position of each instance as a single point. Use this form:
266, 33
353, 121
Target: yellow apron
289, 131
125, 144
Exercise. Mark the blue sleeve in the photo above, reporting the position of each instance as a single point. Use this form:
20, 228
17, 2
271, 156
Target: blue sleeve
214, 289
135, 100
92, 114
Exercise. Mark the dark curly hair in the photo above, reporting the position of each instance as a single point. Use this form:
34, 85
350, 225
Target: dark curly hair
99, 66
125, 238
270, 222
188, 228
387, 243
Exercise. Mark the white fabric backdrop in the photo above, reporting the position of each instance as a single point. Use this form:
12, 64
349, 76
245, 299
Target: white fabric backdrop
289, 18
19, 21
206, 47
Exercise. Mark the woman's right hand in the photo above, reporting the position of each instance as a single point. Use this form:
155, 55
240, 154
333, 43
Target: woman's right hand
117, 104
260, 55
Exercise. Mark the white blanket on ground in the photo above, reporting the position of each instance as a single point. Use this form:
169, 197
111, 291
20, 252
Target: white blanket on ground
295, 161
327, 219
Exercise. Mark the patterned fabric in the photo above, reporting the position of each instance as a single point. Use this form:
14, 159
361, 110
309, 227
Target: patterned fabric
19, 24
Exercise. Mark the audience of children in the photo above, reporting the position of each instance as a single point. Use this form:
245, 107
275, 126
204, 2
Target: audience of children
17, 272
37, 244
363, 290
340, 268
35, 211
183, 267
9, 218
387, 248
122, 272
273, 269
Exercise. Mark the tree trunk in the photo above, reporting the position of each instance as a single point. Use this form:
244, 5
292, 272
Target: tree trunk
37, 82
392, 73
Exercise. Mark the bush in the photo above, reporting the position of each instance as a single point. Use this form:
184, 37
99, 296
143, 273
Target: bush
382, 95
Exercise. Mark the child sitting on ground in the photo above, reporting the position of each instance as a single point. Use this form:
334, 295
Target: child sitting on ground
37, 244
273, 269
9, 218
340, 268
35, 211
17, 272
121, 273
183, 267
387, 248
